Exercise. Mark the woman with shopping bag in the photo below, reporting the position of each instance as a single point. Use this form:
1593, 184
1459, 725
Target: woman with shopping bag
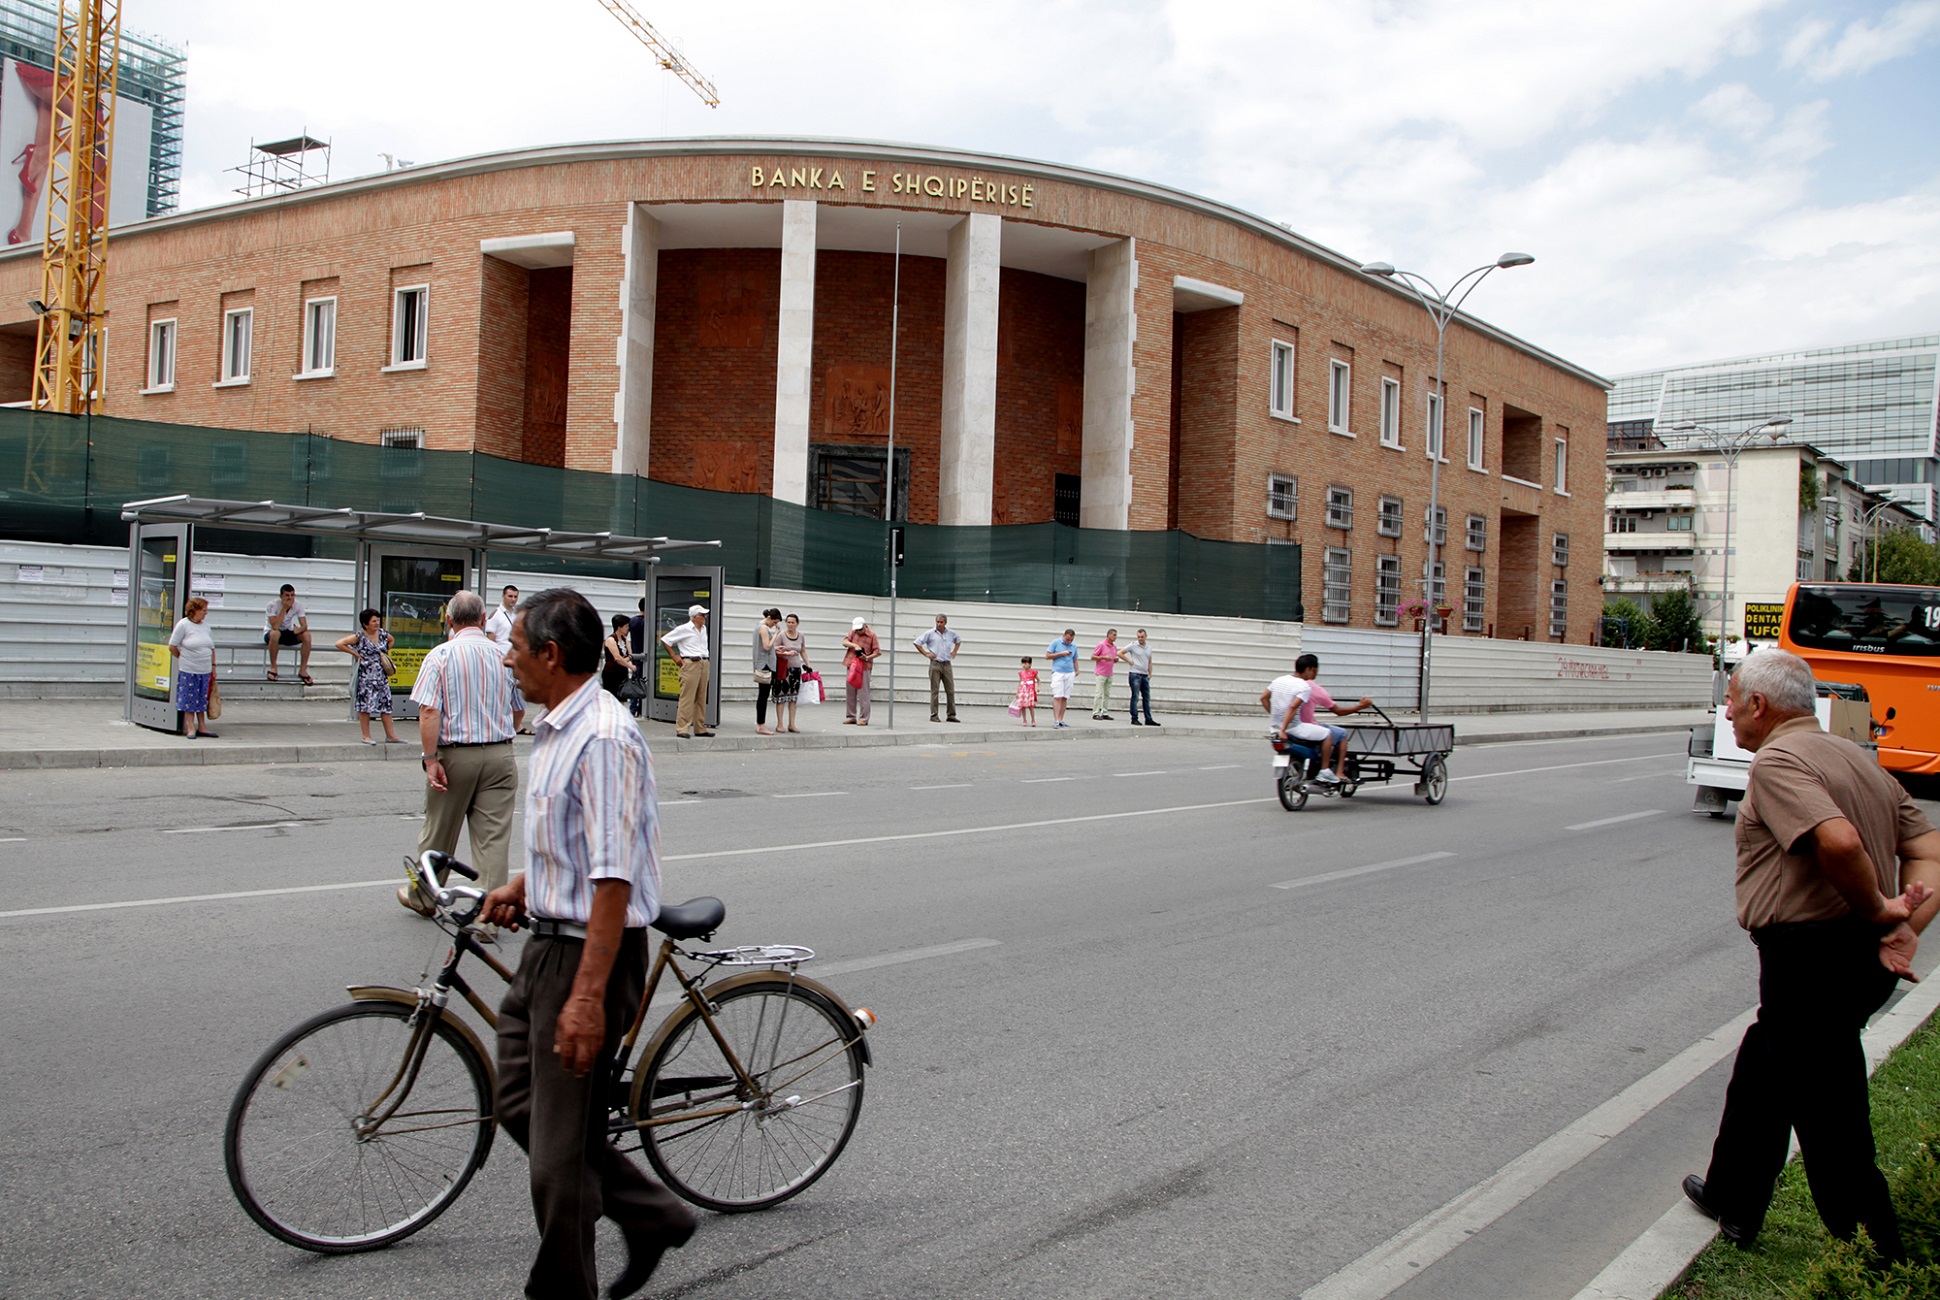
862, 650
791, 662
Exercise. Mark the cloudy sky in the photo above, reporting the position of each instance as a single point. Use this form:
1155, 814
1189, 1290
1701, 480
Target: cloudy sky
1696, 178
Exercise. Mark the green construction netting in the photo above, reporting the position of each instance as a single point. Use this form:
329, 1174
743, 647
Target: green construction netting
65, 478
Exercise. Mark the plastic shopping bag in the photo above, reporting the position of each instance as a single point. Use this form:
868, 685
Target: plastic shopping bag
811, 692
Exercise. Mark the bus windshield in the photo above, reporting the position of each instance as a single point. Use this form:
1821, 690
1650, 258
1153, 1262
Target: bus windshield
1897, 622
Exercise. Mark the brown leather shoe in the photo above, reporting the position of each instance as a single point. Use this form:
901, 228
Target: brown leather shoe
406, 898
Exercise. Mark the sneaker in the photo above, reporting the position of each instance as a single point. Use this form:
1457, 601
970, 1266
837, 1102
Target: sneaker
1327, 777
1137, 723
1104, 717
1152, 722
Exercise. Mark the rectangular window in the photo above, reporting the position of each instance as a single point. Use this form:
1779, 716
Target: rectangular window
1434, 438
1476, 424
410, 326
1280, 394
1559, 551
1338, 388
228, 467
319, 338
1390, 413
1437, 576
1387, 590
1434, 525
1389, 524
1559, 608
1473, 598
1679, 523
402, 455
1067, 498
235, 345
1340, 507
1623, 523
1805, 568
1562, 465
1337, 586
1478, 533
1282, 496
161, 356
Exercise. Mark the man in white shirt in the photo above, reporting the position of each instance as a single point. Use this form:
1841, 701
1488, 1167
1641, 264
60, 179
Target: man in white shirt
1282, 700
499, 628
286, 622
688, 645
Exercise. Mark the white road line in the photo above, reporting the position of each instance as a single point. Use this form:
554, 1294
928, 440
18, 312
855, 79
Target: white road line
1403, 1257
1045, 780
1612, 821
961, 785
1647, 776
1360, 871
16, 839
392, 881
669, 803
812, 794
1138, 774
247, 826
1562, 767
1218, 767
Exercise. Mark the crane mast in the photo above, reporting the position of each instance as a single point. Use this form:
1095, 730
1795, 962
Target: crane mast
663, 51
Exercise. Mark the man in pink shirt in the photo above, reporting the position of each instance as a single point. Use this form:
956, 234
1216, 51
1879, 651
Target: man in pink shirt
1307, 667
1103, 656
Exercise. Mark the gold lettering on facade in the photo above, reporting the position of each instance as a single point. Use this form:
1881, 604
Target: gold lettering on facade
976, 189
815, 178
835, 181
869, 182
936, 181
797, 177
754, 178
1027, 196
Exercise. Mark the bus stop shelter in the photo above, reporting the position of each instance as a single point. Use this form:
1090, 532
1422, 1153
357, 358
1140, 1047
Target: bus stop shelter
407, 566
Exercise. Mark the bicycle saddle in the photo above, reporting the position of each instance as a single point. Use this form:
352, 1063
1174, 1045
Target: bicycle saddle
691, 919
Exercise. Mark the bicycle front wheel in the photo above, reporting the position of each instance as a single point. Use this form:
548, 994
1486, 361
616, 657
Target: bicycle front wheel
308, 1157
730, 1147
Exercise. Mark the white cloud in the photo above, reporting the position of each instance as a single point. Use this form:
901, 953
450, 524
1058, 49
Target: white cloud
1864, 44
1736, 108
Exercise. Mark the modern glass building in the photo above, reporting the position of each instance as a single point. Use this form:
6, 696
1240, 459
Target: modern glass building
1874, 406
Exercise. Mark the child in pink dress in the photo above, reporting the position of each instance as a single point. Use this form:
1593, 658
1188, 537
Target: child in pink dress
1027, 693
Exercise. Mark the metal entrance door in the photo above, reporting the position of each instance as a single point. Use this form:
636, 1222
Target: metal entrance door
158, 584
673, 590
411, 588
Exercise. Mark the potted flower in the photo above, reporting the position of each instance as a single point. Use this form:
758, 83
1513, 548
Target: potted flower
1416, 610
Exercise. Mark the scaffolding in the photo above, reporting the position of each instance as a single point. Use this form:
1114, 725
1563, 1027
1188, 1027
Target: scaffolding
284, 166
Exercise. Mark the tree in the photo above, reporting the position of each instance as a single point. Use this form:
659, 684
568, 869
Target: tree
1624, 624
1903, 557
1674, 623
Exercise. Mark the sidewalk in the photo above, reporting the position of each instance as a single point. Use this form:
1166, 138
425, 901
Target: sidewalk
90, 732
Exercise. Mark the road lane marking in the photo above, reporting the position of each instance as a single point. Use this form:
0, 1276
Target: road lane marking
1612, 821
812, 794
1647, 776
1218, 767
669, 803
1138, 774
961, 785
1403, 1257
392, 881
1360, 871
14, 839
1561, 767
1044, 780
246, 826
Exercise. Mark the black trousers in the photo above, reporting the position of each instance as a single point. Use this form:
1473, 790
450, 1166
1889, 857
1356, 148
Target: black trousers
1802, 1067
762, 690
577, 1174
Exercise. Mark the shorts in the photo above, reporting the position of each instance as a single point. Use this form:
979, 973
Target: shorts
284, 637
1061, 685
1311, 733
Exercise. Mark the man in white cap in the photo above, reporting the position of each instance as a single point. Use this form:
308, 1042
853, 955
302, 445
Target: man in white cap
688, 645
860, 649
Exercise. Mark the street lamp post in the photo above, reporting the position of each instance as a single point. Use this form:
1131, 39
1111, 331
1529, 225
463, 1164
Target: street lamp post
1730, 446
1869, 527
1441, 311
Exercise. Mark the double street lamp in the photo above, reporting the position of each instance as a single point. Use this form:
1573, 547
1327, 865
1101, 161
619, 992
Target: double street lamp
1441, 310
1731, 446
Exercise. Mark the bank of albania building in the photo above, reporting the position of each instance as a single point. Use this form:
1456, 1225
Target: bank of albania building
1070, 346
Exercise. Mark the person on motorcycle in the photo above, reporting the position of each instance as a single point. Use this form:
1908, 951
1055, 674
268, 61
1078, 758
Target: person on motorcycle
1282, 700
1307, 667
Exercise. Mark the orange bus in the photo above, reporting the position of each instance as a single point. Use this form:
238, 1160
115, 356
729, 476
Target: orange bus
1885, 638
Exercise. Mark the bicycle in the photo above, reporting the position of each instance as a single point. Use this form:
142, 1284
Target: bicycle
363, 1124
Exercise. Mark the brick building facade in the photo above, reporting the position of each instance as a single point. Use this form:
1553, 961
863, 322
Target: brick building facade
1068, 345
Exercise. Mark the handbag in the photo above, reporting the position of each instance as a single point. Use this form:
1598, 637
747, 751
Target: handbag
214, 711
857, 672
1016, 709
764, 676
633, 688
811, 692
384, 662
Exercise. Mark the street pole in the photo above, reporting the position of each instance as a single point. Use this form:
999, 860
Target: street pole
1441, 311
889, 470
1731, 446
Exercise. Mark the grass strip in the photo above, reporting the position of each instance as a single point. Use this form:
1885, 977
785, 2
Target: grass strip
1794, 1257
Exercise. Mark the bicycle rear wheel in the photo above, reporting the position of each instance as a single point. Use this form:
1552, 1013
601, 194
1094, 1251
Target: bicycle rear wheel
300, 1157
729, 1149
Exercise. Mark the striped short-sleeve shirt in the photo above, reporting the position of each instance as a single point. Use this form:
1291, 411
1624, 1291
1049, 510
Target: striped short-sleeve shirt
465, 680
590, 810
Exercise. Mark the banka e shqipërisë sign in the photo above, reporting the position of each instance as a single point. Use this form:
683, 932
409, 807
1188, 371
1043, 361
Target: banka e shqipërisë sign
935, 185
1762, 621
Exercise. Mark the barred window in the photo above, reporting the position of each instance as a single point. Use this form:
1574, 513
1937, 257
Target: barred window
1337, 585
1437, 583
1478, 533
1387, 590
1340, 507
1560, 551
1282, 496
1559, 608
1474, 592
1434, 525
1389, 524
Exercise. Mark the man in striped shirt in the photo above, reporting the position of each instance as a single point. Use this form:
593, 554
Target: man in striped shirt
590, 887
464, 699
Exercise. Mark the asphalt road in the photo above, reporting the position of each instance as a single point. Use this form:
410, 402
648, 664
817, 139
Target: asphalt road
1144, 1033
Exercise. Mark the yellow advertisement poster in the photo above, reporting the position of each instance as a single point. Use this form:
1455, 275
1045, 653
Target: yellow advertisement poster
667, 676
152, 666
407, 660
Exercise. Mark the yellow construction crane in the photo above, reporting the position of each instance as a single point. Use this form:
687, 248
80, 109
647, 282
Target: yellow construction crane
74, 257
668, 57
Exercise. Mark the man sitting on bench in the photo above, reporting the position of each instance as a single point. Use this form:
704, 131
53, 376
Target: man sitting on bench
287, 623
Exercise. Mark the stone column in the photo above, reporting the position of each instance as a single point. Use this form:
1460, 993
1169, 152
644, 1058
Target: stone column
639, 291
969, 432
1111, 328
796, 350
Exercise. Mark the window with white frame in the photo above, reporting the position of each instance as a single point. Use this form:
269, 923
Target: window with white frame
236, 329
1478, 533
1679, 523
161, 356
1474, 593
94, 357
1387, 590
1280, 387
1559, 551
1389, 523
1434, 525
1437, 575
410, 326
1476, 425
1559, 608
319, 338
1340, 507
1623, 523
1805, 566
1434, 438
1339, 376
1336, 585
1562, 476
1282, 496
1390, 413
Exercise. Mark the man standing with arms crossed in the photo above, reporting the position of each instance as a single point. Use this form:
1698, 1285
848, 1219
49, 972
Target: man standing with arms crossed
499, 628
1836, 868
940, 645
1138, 658
464, 699
590, 887
688, 645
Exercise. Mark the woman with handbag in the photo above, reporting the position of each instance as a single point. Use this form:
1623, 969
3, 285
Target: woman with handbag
791, 661
616, 660
193, 647
371, 648
767, 638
